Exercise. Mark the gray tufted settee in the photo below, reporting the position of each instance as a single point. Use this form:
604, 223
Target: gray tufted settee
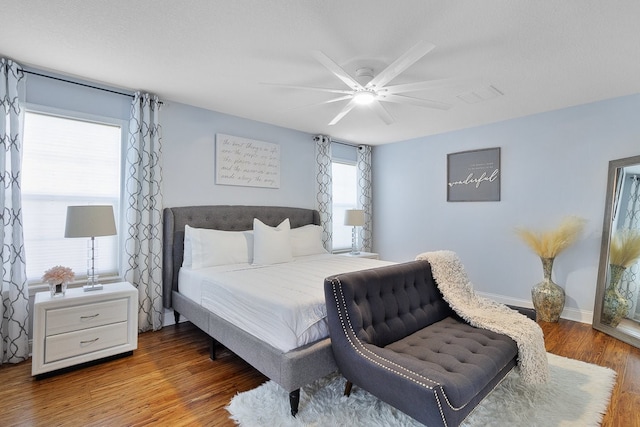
393, 335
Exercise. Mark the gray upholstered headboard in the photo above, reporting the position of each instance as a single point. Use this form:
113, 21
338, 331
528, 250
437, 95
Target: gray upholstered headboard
218, 217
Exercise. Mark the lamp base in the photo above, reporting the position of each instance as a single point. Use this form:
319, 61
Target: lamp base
354, 242
92, 279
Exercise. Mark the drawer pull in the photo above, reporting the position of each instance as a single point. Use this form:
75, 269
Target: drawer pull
89, 341
89, 317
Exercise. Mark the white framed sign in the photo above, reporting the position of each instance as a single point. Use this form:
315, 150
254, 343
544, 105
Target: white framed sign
247, 162
473, 176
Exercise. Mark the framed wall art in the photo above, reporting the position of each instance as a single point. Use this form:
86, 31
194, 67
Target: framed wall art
474, 176
247, 162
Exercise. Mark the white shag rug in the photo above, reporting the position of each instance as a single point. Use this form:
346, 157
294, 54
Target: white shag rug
577, 395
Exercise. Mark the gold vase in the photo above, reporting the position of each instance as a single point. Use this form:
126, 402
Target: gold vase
548, 298
615, 305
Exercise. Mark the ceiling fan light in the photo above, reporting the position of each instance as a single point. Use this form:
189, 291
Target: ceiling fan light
364, 97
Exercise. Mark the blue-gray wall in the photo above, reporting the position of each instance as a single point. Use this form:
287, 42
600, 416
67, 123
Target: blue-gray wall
553, 164
188, 135
188, 138
51, 93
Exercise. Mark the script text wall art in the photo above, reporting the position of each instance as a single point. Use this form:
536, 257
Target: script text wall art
247, 162
474, 176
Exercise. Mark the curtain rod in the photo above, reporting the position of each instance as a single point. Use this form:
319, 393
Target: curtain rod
77, 83
333, 141
348, 144
82, 84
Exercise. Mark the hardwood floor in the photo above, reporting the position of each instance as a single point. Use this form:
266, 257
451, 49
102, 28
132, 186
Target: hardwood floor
580, 341
170, 380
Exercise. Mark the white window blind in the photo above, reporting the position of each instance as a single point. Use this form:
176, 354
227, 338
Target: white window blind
345, 196
67, 161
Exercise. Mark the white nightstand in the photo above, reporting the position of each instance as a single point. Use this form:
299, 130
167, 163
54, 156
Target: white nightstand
83, 326
371, 255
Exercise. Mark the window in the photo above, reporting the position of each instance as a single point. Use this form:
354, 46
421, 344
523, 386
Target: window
345, 194
68, 161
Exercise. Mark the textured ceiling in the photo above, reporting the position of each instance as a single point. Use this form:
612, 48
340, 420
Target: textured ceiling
541, 55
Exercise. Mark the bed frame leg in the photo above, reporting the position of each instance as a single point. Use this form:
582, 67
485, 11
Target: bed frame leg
347, 388
212, 348
176, 317
294, 400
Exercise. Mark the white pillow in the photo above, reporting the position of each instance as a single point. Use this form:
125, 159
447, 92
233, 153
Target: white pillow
271, 245
186, 253
210, 248
307, 240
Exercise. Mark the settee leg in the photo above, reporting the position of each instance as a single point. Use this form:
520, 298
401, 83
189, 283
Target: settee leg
294, 401
347, 388
176, 317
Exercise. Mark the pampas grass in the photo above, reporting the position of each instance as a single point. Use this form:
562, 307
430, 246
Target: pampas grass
625, 248
548, 244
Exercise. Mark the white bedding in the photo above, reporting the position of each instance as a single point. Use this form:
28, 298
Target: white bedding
281, 304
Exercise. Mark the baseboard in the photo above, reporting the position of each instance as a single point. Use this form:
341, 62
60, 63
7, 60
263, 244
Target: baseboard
568, 313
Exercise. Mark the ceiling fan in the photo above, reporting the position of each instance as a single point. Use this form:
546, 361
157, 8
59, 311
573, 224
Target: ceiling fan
370, 90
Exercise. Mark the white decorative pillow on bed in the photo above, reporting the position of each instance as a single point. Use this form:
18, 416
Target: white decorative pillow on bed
209, 248
186, 253
307, 240
271, 245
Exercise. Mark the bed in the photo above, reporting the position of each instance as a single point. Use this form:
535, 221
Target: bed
290, 368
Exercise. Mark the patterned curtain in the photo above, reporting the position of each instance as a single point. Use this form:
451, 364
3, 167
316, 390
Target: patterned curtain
143, 210
324, 188
364, 195
629, 285
15, 294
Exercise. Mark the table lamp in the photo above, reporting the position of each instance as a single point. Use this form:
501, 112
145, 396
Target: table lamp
90, 221
355, 218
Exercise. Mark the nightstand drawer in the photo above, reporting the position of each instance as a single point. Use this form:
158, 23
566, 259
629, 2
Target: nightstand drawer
75, 318
85, 341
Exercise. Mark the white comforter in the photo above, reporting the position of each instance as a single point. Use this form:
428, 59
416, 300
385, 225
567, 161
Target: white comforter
282, 304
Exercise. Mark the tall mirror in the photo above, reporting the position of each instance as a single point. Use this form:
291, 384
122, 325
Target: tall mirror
617, 305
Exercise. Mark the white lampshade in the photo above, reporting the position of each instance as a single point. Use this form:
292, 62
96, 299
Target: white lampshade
354, 217
90, 221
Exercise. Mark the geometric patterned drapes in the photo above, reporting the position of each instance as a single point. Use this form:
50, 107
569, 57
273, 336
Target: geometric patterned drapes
365, 196
143, 210
629, 285
14, 310
324, 189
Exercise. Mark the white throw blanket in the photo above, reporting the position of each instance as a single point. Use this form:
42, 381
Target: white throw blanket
484, 313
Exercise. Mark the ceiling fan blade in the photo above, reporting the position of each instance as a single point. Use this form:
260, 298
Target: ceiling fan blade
382, 112
401, 64
337, 70
315, 104
402, 99
317, 89
343, 112
418, 86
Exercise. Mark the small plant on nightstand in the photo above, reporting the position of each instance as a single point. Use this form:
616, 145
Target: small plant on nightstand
58, 278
